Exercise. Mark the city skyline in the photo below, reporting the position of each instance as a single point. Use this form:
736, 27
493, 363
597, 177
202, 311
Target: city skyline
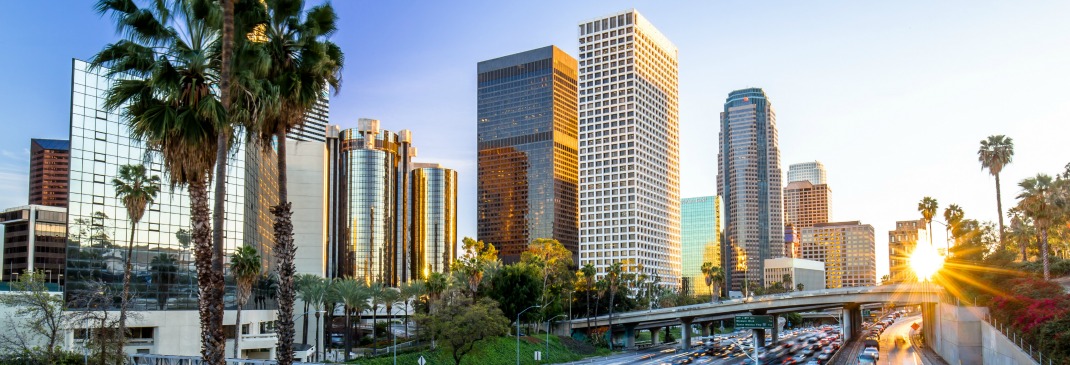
890, 117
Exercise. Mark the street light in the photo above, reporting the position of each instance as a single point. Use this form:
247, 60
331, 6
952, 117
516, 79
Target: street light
396, 339
548, 331
296, 317
518, 331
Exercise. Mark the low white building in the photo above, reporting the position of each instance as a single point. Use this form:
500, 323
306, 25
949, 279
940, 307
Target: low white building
809, 273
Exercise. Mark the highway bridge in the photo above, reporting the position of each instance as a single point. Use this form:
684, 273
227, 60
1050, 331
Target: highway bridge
849, 299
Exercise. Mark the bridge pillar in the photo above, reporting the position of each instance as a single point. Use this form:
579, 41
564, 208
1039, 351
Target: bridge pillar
655, 336
629, 336
852, 320
759, 334
705, 328
776, 330
928, 323
685, 333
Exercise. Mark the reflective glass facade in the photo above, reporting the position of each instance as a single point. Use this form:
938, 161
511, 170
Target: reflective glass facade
315, 126
49, 164
700, 230
749, 181
34, 238
163, 268
813, 171
527, 150
434, 228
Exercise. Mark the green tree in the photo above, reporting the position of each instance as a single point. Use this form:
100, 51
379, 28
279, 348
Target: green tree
587, 273
378, 294
927, 207
515, 288
1040, 200
995, 153
164, 269
614, 274
245, 266
554, 263
460, 322
477, 257
354, 297
437, 283
390, 297
800, 286
306, 285
410, 292
38, 317
137, 190
303, 63
714, 276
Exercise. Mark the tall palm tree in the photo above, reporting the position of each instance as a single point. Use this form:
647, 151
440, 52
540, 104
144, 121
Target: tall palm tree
390, 297
713, 275
953, 215
613, 277
304, 285
410, 292
168, 60
996, 152
1040, 200
589, 273
137, 190
354, 296
245, 266
377, 291
327, 301
303, 63
1021, 231
436, 285
927, 207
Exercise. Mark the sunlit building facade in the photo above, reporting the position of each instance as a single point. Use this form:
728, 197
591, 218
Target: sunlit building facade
629, 146
434, 218
806, 204
49, 169
749, 182
527, 178
901, 244
700, 231
314, 129
34, 238
813, 171
809, 273
848, 250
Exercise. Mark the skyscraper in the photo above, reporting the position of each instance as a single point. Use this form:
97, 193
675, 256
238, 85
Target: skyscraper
434, 218
847, 249
806, 204
527, 150
629, 146
813, 171
901, 244
49, 171
316, 119
34, 239
700, 232
749, 182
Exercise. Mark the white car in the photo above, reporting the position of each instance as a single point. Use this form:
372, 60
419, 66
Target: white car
873, 352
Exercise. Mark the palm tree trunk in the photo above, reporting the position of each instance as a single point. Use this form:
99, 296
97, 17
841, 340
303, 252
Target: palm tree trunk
375, 312
1044, 252
348, 340
318, 345
713, 295
126, 287
209, 282
611, 295
406, 318
284, 256
588, 312
999, 210
304, 332
216, 353
237, 333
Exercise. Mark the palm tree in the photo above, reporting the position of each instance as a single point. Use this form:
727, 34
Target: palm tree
377, 291
410, 292
714, 275
1021, 231
588, 272
1039, 200
389, 297
245, 266
137, 190
800, 286
328, 300
927, 207
436, 285
304, 285
164, 269
995, 153
953, 215
303, 63
168, 61
354, 296
613, 276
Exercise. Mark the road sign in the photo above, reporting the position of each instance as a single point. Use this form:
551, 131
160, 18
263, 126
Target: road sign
915, 326
754, 322
865, 313
538, 355
422, 361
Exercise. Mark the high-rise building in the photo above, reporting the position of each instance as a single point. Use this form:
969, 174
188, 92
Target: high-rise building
165, 300
49, 171
792, 242
813, 171
809, 273
315, 127
806, 204
848, 250
34, 239
749, 182
434, 218
527, 151
700, 232
629, 146
901, 244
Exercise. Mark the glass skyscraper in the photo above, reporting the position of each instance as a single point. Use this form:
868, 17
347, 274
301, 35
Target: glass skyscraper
700, 231
813, 171
629, 147
749, 182
434, 218
316, 119
527, 185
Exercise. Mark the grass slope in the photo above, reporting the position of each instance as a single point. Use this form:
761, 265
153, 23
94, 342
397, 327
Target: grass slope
500, 350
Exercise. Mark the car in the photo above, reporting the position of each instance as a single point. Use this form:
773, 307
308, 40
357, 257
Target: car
799, 358
872, 351
813, 362
824, 356
865, 359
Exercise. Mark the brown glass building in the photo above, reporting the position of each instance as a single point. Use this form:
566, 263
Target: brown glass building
35, 239
50, 161
527, 134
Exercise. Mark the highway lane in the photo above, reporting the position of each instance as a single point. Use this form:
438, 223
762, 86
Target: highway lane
893, 352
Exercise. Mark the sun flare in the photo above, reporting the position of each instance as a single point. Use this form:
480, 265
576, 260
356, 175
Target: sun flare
925, 262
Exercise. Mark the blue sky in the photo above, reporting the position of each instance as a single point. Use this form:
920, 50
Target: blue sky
892, 97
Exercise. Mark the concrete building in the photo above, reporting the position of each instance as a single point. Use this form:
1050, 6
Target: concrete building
806, 204
49, 172
34, 239
629, 146
813, 171
527, 163
809, 273
749, 182
700, 237
847, 249
901, 244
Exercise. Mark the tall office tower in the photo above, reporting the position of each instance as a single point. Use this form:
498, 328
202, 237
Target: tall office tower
847, 249
162, 249
901, 244
315, 127
34, 239
49, 171
434, 219
700, 237
629, 146
813, 171
806, 204
809, 273
748, 180
527, 150
371, 190
792, 242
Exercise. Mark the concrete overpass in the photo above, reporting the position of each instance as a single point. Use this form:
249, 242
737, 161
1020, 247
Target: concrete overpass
849, 299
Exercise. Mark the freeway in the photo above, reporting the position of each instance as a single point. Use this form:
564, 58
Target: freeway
896, 347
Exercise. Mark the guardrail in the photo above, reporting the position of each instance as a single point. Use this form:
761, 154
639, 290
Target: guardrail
149, 359
1016, 338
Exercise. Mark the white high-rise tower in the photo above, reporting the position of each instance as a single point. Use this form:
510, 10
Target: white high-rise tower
629, 147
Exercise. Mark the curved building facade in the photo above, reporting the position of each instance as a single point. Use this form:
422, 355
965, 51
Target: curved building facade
434, 218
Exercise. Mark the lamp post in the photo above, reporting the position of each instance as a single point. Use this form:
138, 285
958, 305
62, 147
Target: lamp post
518, 331
298, 316
947, 238
396, 338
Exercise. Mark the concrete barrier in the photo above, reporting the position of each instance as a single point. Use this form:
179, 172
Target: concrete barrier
1000, 350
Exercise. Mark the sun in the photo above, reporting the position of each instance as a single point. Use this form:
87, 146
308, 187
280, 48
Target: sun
926, 262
